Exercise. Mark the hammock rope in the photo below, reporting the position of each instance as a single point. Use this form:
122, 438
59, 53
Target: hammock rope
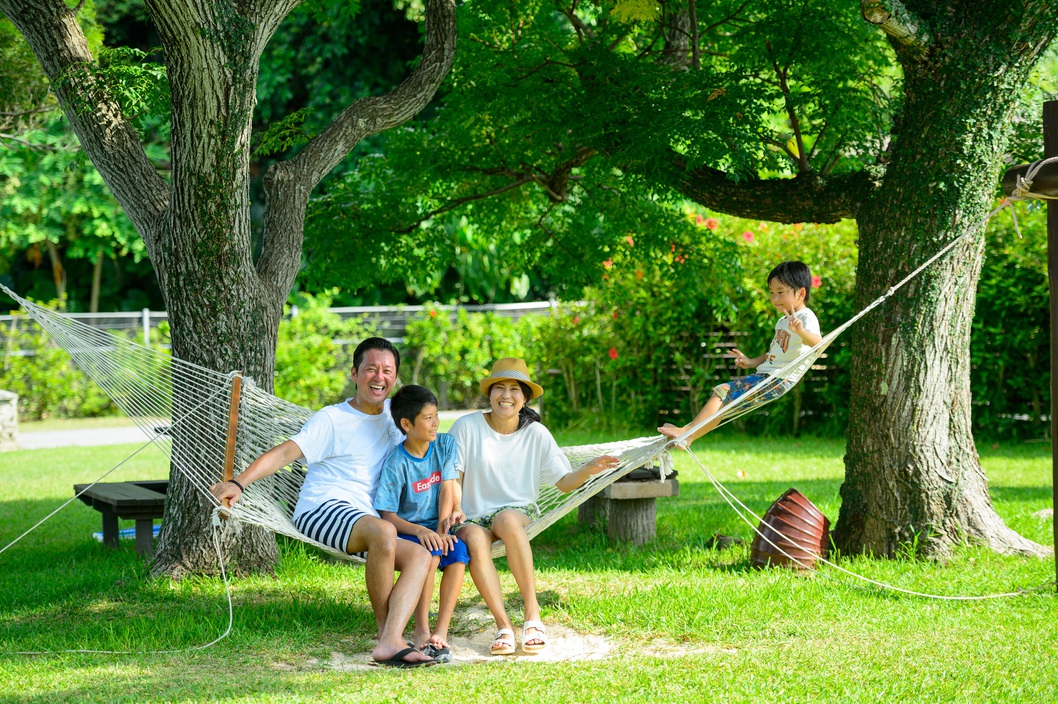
196, 405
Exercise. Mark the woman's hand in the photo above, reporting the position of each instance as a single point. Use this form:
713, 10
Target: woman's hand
601, 464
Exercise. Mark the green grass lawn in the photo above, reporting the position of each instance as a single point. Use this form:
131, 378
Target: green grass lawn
684, 622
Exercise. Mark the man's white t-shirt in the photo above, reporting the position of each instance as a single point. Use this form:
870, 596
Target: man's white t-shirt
345, 450
787, 346
505, 470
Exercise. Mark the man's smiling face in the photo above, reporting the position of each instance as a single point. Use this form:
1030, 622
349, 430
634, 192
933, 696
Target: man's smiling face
375, 378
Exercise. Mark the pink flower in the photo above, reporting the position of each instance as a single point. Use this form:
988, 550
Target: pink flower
816, 282
630, 241
712, 223
608, 263
576, 319
763, 227
613, 353
699, 220
748, 236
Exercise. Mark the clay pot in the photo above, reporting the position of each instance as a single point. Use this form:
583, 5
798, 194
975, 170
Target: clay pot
794, 524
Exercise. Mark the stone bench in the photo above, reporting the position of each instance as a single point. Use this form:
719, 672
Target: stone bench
138, 501
629, 506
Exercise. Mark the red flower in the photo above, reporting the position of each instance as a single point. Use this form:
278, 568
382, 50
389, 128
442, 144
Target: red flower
615, 315
712, 223
576, 319
629, 240
613, 353
639, 274
433, 314
748, 236
816, 282
699, 220
608, 263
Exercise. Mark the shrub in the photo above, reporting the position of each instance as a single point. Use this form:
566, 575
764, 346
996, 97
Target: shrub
1010, 347
314, 352
451, 351
45, 377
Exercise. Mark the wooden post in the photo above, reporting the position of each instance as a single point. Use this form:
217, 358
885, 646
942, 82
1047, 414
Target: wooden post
1050, 148
1046, 183
233, 426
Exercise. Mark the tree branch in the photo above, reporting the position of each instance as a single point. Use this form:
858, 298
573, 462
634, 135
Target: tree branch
112, 144
898, 22
805, 198
456, 202
288, 184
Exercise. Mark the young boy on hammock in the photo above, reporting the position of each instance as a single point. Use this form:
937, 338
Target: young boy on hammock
790, 285
417, 493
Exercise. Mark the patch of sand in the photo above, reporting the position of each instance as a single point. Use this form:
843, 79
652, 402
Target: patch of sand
563, 645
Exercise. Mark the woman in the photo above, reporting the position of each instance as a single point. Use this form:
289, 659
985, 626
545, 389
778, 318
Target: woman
506, 455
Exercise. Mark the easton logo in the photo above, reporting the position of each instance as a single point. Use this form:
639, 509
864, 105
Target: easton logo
425, 484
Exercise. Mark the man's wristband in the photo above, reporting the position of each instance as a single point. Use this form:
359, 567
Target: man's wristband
241, 487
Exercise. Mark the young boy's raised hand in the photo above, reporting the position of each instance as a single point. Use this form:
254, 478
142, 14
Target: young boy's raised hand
796, 326
741, 360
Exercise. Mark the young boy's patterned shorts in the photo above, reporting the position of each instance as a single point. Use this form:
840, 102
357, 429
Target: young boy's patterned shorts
737, 388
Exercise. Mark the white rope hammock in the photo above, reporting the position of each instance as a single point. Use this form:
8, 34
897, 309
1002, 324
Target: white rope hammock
148, 385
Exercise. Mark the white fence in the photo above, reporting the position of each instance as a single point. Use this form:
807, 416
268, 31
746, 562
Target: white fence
390, 321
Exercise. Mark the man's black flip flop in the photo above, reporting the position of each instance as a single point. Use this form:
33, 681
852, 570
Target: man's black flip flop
399, 661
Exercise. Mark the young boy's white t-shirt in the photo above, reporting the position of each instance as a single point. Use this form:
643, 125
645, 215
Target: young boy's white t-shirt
505, 470
345, 450
787, 346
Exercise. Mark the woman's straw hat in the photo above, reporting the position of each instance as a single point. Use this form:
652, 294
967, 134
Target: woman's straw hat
511, 368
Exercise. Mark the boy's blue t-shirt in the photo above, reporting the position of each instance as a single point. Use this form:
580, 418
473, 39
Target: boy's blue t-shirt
411, 486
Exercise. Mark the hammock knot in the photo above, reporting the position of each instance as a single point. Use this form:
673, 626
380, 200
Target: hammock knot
1023, 188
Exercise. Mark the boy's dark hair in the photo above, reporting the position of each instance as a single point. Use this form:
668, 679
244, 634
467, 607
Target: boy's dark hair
374, 343
408, 403
795, 275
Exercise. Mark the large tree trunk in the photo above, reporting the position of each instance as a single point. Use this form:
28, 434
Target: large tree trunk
913, 476
220, 315
224, 307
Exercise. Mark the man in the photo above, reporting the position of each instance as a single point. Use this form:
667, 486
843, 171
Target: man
345, 446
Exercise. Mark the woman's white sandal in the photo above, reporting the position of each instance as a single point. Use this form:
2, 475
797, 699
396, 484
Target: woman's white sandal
540, 635
503, 643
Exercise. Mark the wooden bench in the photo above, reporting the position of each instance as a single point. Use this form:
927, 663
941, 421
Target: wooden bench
138, 501
629, 507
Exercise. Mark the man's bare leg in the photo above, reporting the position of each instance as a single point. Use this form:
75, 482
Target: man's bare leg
391, 602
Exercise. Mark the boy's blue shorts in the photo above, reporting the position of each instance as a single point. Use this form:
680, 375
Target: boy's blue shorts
456, 554
736, 388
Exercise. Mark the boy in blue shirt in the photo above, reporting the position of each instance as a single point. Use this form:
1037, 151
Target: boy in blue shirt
418, 493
